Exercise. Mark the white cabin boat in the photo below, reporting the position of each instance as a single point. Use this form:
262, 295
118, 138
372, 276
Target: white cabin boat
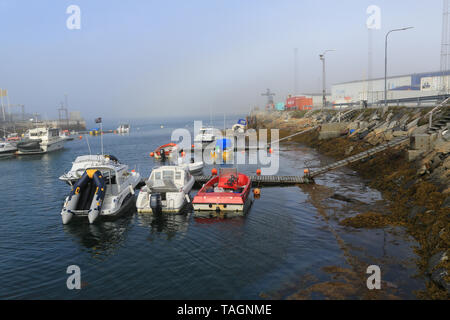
123, 128
166, 190
106, 190
206, 135
7, 149
82, 163
41, 140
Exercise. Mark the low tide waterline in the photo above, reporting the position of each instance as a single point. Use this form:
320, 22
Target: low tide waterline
288, 235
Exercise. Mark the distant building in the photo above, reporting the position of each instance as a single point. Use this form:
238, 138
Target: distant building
75, 116
399, 87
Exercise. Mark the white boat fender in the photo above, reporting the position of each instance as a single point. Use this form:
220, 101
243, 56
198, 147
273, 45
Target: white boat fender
187, 198
131, 189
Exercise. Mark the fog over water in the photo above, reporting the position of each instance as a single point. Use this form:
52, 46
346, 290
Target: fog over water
141, 59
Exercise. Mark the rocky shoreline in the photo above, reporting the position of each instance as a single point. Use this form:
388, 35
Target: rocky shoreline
413, 178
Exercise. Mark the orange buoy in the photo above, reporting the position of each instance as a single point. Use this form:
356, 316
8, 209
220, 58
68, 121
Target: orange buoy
152, 154
306, 171
258, 172
257, 191
80, 137
214, 171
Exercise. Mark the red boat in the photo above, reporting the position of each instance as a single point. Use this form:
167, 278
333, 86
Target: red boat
229, 191
168, 149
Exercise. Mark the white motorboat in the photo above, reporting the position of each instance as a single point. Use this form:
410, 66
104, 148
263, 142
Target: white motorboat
65, 134
193, 167
206, 135
41, 140
7, 149
166, 190
179, 159
82, 163
123, 128
97, 194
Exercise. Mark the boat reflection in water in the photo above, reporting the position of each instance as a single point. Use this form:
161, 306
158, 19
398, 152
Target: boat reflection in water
171, 224
102, 239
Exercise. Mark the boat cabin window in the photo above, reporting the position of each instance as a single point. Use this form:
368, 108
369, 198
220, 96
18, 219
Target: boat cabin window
157, 175
178, 175
167, 175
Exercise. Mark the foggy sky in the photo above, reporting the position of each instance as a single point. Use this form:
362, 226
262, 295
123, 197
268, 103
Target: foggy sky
143, 59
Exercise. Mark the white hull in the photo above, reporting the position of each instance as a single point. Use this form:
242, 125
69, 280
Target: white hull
117, 198
45, 148
172, 200
205, 207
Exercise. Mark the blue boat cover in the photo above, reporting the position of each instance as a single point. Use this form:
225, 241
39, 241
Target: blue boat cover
224, 143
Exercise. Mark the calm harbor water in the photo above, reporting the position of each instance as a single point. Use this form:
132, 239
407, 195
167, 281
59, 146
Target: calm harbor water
289, 233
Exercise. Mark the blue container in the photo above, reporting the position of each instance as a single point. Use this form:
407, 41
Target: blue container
223, 144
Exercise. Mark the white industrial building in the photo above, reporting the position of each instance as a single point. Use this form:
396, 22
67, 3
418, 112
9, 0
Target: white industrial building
399, 87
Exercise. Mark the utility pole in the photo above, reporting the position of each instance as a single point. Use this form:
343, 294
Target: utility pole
445, 49
324, 98
269, 97
295, 71
385, 60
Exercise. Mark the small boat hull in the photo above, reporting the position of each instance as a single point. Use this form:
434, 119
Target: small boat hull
225, 193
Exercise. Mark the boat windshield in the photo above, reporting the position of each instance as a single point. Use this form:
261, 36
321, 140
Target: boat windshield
168, 174
228, 172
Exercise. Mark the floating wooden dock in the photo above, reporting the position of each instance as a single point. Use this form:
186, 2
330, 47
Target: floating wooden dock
268, 181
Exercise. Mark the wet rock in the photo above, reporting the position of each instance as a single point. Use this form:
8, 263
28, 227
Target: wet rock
438, 274
412, 124
363, 134
400, 133
446, 203
415, 211
349, 150
346, 199
422, 171
446, 135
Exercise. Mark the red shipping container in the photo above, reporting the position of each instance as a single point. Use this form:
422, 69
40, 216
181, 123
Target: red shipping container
298, 103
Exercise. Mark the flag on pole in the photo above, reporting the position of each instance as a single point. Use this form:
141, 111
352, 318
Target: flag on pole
98, 120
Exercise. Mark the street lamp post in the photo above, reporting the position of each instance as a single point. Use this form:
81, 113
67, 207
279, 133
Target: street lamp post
385, 61
322, 57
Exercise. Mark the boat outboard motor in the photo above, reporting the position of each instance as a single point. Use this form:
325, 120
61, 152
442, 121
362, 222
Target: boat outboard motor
155, 202
82, 198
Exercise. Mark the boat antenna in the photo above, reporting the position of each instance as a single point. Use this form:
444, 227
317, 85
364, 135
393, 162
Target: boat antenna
89, 147
101, 134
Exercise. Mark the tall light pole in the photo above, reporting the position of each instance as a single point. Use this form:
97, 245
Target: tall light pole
322, 57
385, 61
